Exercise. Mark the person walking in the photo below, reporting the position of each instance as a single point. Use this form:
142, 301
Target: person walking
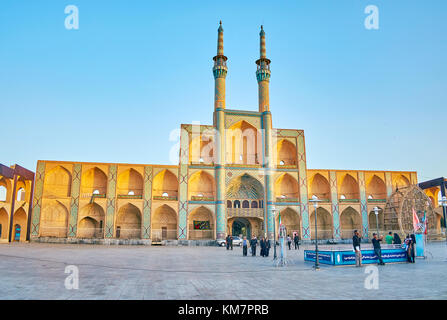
289, 241
296, 240
389, 238
267, 247
356, 239
231, 242
244, 246
262, 244
253, 244
413, 245
227, 241
377, 249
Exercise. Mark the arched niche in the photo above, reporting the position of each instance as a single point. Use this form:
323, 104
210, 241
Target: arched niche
200, 224
54, 220
376, 188
130, 182
286, 187
349, 188
4, 223
285, 153
201, 149
57, 183
320, 187
91, 221
128, 222
350, 220
19, 225
94, 179
243, 142
165, 182
401, 181
324, 224
164, 224
291, 219
201, 185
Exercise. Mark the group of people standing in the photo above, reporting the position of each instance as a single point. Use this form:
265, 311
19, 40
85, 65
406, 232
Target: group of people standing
409, 244
296, 241
264, 243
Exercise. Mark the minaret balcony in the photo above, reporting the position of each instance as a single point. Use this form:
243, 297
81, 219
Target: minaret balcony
263, 75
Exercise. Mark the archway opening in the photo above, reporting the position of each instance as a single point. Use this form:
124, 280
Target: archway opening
291, 220
130, 183
241, 227
19, 223
320, 187
164, 224
129, 222
376, 188
3, 224
57, 183
350, 220
285, 153
54, 220
165, 182
92, 180
91, 221
324, 224
350, 188
201, 224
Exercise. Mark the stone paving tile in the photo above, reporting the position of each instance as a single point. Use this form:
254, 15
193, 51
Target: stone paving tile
36, 271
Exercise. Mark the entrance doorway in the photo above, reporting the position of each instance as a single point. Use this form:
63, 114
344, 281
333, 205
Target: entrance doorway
17, 231
241, 226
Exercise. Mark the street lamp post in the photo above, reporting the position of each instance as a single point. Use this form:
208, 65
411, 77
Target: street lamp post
274, 210
315, 201
376, 211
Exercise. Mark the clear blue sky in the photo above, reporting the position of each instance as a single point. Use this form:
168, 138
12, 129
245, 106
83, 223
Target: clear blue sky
113, 90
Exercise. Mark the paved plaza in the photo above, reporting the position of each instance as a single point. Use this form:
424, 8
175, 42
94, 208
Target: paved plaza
36, 271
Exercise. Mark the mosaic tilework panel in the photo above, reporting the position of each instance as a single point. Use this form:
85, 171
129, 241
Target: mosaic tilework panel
334, 204
363, 203
183, 185
231, 119
111, 201
233, 173
74, 202
287, 133
37, 201
389, 184
147, 203
303, 187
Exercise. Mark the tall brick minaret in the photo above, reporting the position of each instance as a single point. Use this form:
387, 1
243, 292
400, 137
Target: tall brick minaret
220, 73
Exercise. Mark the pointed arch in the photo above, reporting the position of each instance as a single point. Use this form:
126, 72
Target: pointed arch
54, 220
19, 225
376, 188
350, 220
165, 182
201, 183
401, 181
291, 219
164, 224
4, 224
245, 187
94, 179
201, 224
130, 181
320, 187
57, 183
324, 224
349, 188
201, 149
129, 222
286, 187
243, 140
285, 153
91, 221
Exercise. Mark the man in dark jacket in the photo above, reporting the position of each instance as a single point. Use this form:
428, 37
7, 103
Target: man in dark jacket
262, 244
253, 244
377, 249
227, 242
356, 239
296, 240
267, 247
231, 242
